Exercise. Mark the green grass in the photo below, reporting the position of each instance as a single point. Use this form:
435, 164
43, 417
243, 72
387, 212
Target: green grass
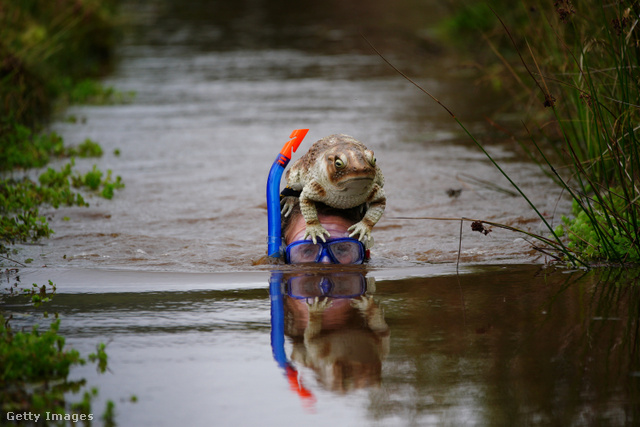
51, 53
92, 92
20, 200
579, 65
50, 56
22, 147
35, 364
48, 48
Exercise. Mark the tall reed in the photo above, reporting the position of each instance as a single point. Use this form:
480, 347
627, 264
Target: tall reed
583, 64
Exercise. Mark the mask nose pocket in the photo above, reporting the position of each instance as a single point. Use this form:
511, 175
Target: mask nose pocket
325, 285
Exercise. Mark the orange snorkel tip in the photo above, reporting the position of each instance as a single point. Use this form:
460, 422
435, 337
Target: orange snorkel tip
292, 145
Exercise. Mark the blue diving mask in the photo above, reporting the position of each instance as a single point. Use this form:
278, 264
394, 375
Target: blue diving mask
345, 250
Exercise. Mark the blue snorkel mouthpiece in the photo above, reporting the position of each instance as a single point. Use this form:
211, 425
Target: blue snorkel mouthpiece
274, 242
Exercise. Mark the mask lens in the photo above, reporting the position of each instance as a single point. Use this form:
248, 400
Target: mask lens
305, 286
347, 251
348, 285
333, 286
303, 252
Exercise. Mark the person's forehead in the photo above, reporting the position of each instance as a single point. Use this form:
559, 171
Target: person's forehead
335, 225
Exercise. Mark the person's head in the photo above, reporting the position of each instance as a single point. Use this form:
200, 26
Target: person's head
339, 248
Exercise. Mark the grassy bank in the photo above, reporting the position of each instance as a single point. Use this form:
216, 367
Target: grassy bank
35, 367
51, 52
573, 71
46, 48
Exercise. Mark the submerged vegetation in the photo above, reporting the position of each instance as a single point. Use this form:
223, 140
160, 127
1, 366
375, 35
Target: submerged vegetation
574, 67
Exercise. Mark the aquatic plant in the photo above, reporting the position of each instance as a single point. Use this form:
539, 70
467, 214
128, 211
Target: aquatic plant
49, 52
35, 365
597, 120
21, 199
90, 92
22, 147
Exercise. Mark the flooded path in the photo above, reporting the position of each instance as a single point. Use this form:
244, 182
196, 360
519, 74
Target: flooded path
164, 273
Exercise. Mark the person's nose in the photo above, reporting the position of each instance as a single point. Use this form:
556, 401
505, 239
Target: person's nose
325, 259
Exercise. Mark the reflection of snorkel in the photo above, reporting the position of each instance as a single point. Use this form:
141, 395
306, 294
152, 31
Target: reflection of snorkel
277, 338
273, 191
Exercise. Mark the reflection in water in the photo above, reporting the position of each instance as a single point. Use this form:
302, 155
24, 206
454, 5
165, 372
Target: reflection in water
336, 328
533, 347
505, 346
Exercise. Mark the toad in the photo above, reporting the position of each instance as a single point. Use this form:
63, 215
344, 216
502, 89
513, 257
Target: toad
341, 172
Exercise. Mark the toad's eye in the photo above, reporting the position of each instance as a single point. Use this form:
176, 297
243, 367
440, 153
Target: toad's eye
370, 157
340, 162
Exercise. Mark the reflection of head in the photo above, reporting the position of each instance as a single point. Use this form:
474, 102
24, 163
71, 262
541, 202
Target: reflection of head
343, 338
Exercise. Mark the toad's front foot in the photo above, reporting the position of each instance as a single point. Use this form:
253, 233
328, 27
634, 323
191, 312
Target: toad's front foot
314, 326
318, 306
372, 312
363, 303
315, 231
362, 231
287, 204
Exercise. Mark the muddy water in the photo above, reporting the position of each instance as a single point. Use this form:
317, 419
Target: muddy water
516, 345
163, 272
220, 88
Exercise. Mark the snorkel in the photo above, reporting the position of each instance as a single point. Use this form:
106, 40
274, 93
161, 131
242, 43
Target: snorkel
274, 241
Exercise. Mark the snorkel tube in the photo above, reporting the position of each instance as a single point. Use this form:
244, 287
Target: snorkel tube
274, 242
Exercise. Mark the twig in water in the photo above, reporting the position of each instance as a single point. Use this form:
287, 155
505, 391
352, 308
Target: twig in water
13, 260
407, 77
488, 185
478, 223
459, 247
464, 309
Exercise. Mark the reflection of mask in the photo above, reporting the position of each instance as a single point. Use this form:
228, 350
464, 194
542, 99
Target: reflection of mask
346, 354
337, 285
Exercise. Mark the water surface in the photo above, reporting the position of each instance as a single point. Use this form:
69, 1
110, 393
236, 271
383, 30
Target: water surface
497, 345
220, 87
164, 273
